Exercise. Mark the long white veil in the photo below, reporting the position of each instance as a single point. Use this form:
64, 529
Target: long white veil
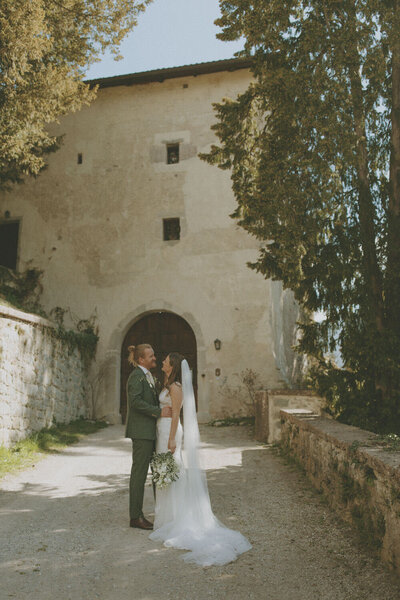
197, 498
195, 527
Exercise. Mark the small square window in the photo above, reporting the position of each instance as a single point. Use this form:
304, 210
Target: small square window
9, 233
172, 154
172, 229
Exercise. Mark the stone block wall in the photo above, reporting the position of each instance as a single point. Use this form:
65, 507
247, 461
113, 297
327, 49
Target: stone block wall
269, 403
358, 477
41, 380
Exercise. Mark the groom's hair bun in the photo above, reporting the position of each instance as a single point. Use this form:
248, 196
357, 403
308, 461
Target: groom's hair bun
135, 352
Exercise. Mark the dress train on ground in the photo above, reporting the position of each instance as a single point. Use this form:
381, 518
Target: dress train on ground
183, 514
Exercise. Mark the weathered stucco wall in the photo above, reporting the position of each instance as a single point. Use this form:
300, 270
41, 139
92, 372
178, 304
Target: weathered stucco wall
360, 480
41, 381
285, 312
96, 230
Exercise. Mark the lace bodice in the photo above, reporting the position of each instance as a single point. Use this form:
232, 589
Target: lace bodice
165, 398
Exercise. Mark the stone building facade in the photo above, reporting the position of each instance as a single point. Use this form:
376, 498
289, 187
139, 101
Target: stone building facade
127, 221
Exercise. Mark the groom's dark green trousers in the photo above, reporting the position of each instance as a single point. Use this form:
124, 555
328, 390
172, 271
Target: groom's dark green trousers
142, 451
143, 412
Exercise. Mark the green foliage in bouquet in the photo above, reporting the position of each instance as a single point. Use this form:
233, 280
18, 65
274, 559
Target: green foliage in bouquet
164, 468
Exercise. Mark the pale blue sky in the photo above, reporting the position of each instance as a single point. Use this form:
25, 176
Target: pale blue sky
170, 33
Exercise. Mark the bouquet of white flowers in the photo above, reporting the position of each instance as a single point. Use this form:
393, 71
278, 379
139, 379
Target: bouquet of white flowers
164, 468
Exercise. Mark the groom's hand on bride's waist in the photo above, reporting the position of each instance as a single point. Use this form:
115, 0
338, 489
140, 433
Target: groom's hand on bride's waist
166, 411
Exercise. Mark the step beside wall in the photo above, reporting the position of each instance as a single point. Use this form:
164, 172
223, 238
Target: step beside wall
360, 480
41, 380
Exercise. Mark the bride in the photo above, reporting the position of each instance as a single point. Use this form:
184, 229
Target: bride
183, 515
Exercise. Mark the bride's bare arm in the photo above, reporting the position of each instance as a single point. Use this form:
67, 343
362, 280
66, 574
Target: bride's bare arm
175, 392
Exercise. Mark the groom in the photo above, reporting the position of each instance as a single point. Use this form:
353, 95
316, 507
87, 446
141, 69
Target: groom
143, 412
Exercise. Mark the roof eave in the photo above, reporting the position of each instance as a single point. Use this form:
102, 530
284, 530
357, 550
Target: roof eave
159, 75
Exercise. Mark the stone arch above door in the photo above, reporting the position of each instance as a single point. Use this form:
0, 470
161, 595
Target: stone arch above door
166, 332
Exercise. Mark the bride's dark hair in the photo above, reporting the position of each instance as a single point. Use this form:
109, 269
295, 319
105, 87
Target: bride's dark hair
175, 360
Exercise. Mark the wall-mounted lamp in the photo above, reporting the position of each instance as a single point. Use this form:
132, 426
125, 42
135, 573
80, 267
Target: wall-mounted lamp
7, 214
217, 344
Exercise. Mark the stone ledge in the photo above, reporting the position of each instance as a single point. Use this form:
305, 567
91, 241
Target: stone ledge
291, 392
360, 479
18, 315
345, 435
268, 404
301, 412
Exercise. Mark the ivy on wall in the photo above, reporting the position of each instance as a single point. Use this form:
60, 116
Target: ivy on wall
84, 337
23, 291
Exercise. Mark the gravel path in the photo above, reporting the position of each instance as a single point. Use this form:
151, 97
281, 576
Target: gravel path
65, 536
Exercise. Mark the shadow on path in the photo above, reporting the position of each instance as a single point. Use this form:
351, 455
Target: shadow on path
65, 535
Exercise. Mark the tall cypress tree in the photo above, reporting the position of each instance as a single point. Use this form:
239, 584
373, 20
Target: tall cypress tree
313, 146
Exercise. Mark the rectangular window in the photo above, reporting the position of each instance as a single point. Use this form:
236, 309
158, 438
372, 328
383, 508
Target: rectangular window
172, 154
9, 232
172, 229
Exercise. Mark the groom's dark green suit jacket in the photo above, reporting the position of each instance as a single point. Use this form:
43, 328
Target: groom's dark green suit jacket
143, 407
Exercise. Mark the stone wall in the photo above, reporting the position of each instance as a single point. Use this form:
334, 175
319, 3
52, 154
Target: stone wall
41, 380
268, 406
359, 478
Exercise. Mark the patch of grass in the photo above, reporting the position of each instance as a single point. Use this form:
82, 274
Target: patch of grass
390, 441
355, 445
27, 451
231, 421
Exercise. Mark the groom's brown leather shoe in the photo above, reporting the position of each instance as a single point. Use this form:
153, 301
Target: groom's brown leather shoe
141, 523
149, 523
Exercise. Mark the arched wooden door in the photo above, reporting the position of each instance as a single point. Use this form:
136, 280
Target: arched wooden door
166, 332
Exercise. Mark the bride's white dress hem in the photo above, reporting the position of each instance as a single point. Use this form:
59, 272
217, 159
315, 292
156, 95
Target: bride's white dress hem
183, 514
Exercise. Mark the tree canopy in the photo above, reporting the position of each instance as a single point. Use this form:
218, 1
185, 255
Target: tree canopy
313, 146
46, 45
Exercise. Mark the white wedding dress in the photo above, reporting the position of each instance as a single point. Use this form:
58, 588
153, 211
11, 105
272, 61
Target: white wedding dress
168, 499
183, 514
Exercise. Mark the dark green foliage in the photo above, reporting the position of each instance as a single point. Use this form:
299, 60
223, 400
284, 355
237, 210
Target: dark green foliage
84, 336
313, 146
370, 476
85, 341
22, 290
46, 46
390, 442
